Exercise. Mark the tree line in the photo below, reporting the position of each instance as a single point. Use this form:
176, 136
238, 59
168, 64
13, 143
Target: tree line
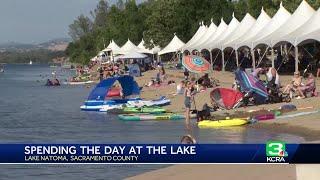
36, 55
157, 20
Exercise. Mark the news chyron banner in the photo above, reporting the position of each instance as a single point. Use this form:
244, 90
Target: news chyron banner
271, 152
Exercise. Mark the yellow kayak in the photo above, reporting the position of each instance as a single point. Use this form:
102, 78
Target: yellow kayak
221, 123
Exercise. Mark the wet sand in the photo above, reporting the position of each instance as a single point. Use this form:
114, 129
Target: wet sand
307, 126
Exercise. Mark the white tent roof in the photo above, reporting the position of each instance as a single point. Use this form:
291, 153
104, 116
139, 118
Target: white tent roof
213, 36
298, 18
200, 32
278, 20
315, 35
129, 47
112, 47
174, 45
302, 33
247, 22
261, 22
203, 39
224, 36
132, 55
154, 50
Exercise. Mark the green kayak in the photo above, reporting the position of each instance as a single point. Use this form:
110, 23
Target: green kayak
134, 110
146, 117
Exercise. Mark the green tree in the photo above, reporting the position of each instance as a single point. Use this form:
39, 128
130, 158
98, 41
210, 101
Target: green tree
80, 27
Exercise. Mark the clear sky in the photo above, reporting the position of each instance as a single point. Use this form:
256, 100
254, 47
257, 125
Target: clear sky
35, 21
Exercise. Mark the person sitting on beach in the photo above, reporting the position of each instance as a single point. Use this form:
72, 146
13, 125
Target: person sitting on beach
294, 84
273, 79
204, 114
310, 86
205, 81
257, 72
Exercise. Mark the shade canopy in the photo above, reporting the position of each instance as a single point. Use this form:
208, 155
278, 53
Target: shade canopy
276, 22
224, 36
112, 47
205, 38
174, 46
146, 50
196, 64
302, 14
129, 47
128, 84
246, 39
132, 55
213, 37
247, 22
196, 37
303, 32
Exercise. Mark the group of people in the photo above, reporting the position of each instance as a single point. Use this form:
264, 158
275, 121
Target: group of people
109, 70
295, 87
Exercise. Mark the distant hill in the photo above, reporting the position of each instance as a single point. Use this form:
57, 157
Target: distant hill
59, 44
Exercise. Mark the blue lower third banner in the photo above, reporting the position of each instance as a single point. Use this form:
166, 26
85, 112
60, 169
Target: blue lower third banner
271, 152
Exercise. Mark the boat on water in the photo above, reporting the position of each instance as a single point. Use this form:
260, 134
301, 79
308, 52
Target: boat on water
1, 68
30, 62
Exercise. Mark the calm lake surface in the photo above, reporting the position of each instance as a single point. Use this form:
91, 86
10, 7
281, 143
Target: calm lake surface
33, 113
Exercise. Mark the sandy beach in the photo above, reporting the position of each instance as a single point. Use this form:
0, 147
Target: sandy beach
307, 126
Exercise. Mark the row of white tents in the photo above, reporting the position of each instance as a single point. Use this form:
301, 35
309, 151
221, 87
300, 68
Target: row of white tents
127, 51
298, 28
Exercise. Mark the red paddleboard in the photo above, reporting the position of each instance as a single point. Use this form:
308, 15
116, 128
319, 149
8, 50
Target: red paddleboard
264, 117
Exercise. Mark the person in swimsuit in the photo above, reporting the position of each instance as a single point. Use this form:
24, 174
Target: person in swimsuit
295, 83
188, 95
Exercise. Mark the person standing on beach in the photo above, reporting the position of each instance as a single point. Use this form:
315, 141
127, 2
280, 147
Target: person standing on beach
188, 95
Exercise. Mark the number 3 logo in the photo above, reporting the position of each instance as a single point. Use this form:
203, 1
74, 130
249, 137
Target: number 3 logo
275, 148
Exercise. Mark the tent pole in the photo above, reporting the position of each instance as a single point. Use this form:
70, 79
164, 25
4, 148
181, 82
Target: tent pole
260, 59
253, 59
272, 57
211, 60
237, 57
296, 58
223, 66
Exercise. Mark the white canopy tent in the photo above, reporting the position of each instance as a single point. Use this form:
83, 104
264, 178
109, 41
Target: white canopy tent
112, 47
146, 50
219, 41
129, 47
276, 22
260, 24
213, 37
196, 37
205, 38
303, 32
131, 55
224, 36
245, 25
174, 46
302, 14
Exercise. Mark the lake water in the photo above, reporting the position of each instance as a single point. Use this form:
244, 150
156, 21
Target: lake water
33, 113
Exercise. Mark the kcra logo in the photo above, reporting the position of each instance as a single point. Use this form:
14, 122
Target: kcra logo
276, 151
